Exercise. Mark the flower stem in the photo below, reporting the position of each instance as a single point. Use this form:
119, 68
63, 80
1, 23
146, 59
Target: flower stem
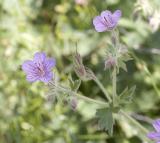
87, 99
103, 89
143, 129
92, 100
114, 84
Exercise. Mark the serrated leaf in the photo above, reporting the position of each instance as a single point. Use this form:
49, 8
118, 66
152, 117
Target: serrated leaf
124, 91
127, 95
77, 84
74, 85
105, 119
121, 64
122, 59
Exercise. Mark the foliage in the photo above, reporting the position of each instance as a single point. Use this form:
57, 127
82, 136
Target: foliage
55, 26
106, 120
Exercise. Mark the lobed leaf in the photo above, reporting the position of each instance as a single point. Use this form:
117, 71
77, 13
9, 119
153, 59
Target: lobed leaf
105, 119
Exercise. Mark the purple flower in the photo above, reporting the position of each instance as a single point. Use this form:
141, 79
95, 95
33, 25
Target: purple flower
106, 21
155, 135
40, 68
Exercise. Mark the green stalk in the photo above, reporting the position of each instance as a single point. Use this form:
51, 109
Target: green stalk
114, 84
143, 129
103, 89
87, 99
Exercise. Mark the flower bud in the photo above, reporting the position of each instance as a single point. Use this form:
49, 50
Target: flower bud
73, 103
82, 72
110, 62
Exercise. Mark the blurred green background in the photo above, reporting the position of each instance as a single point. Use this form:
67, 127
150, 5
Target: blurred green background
55, 26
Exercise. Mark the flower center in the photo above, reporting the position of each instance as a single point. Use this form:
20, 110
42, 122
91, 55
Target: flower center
108, 20
41, 71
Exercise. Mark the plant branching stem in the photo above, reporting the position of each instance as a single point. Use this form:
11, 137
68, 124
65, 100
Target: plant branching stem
114, 84
103, 89
143, 129
87, 99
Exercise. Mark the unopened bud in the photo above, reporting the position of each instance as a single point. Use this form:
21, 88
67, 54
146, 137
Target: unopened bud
110, 62
82, 72
73, 103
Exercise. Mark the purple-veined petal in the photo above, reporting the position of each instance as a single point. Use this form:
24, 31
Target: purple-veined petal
106, 13
50, 63
108, 20
32, 78
98, 24
40, 68
39, 57
116, 15
48, 77
154, 135
156, 125
107, 17
28, 67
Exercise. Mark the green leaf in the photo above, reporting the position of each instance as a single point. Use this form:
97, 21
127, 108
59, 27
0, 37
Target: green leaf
122, 64
122, 58
74, 85
105, 119
127, 95
77, 84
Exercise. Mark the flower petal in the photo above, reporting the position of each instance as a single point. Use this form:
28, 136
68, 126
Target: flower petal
48, 77
154, 135
156, 125
32, 78
28, 67
39, 57
106, 13
116, 15
50, 63
108, 20
99, 24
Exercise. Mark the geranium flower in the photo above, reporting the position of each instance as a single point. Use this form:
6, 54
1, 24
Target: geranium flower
40, 68
155, 135
106, 21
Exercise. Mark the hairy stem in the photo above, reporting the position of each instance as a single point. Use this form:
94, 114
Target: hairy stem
114, 84
103, 89
143, 129
87, 99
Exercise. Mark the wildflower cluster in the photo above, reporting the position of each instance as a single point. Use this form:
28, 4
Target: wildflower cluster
40, 69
